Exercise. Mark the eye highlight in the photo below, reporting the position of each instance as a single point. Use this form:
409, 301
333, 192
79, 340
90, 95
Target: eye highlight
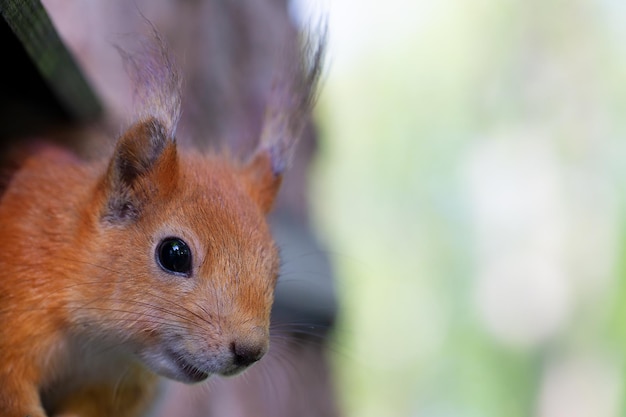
174, 256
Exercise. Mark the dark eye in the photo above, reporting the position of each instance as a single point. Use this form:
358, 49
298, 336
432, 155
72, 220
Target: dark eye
174, 256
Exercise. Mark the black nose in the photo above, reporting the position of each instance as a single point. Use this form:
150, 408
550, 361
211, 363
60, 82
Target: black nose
245, 354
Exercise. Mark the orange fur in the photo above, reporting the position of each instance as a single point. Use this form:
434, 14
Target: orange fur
88, 316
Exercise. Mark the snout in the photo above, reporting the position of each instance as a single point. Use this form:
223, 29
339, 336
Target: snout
184, 359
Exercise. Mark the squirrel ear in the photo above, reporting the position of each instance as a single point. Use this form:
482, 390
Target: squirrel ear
287, 114
138, 153
262, 179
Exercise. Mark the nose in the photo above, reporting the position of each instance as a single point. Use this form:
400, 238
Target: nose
250, 348
245, 354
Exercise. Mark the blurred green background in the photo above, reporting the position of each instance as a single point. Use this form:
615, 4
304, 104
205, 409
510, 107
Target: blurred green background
470, 190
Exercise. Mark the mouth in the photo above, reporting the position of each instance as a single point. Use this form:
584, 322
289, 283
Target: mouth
191, 373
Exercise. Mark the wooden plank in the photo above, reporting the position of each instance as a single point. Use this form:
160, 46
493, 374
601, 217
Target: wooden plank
32, 26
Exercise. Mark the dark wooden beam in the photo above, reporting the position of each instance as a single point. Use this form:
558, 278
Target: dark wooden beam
40, 84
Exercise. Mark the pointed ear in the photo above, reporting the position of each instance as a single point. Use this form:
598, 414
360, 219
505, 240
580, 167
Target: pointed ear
262, 180
287, 114
131, 176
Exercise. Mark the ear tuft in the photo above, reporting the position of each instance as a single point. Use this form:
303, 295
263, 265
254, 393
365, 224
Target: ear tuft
156, 80
292, 100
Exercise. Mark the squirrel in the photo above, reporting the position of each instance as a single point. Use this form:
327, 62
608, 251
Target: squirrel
156, 261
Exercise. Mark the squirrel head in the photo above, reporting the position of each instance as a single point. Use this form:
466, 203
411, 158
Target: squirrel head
186, 264
184, 258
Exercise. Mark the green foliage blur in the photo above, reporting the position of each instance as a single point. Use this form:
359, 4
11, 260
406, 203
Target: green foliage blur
470, 190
